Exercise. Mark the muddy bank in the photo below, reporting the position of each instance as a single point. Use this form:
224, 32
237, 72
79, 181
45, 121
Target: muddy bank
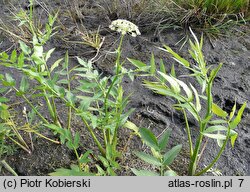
151, 110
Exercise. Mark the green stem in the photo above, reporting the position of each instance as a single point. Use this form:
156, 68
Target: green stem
20, 138
51, 103
188, 133
69, 89
78, 158
193, 162
51, 140
118, 66
50, 108
217, 157
8, 167
86, 124
119, 112
94, 137
20, 145
33, 107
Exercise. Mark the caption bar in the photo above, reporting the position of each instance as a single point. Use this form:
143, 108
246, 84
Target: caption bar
145, 184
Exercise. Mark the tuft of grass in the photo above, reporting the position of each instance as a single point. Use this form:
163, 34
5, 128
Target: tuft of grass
212, 16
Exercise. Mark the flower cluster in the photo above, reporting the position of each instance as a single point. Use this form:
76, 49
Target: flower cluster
123, 26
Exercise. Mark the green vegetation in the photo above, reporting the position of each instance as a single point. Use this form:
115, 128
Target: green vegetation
216, 123
100, 101
213, 17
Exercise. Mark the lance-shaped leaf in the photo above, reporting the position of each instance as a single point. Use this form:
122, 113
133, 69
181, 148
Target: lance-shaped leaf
171, 155
237, 119
26, 50
177, 57
132, 126
144, 172
233, 111
215, 128
197, 99
139, 64
174, 84
24, 85
149, 138
163, 141
162, 90
218, 111
217, 136
214, 72
163, 70
186, 89
233, 136
55, 65
148, 158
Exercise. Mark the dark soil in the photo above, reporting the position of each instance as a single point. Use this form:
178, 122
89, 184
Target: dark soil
151, 110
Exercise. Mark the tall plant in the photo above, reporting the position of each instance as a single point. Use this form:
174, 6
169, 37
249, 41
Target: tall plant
216, 123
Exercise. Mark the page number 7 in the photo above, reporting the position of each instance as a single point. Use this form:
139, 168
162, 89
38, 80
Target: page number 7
241, 181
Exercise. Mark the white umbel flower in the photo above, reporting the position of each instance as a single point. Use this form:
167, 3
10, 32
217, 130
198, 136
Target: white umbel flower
123, 26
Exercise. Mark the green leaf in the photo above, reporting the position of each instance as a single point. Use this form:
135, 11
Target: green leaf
233, 111
4, 56
218, 121
110, 171
214, 73
215, 136
56, 64
38, 51
24, 85
137, 63
104, 161
171, 155
149, 138
163, 141
144, 172
173, 71
215, 128
48, 54
163, 70
76, 140
162, 90
100, 170
4, 114
20, 60
70, 172
233, 136
177, 57
82, 62
13, 56
170, 173
9, 80
174, 84
85, 102
237, 119
186, 89
85, 157
197, 99
218, 111
152, 64
3, 99
70, 97
132, 126
38, 60
26, 50
148, 158
109, 152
